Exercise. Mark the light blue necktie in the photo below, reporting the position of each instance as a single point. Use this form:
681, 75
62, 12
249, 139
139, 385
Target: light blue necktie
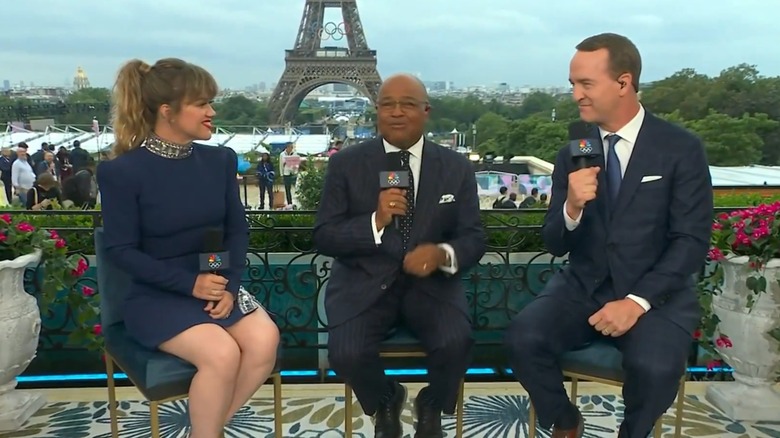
614, 175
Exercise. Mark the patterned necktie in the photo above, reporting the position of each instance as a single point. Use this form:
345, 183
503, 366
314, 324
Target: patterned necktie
406, 221
614, 175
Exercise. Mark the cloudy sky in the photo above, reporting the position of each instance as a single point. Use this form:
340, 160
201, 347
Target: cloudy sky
470, 42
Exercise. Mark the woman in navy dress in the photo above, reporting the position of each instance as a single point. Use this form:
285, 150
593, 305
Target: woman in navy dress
161, 193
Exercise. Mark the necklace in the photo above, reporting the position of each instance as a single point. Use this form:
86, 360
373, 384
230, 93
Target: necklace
167, 149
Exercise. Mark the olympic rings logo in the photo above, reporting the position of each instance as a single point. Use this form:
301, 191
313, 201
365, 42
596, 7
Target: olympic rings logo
333, 31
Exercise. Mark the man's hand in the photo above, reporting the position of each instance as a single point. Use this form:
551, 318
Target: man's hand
424, 259
616, 317
583, 184
392, 202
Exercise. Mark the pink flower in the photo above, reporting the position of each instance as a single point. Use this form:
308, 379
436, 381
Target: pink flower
697, 334
60, 243
742, 239
723, 342
3, 237
716, 226
87, 291
711, 365
5, 218
81, 268
715, 254
97, 329
760, 231
25, 227
53, 234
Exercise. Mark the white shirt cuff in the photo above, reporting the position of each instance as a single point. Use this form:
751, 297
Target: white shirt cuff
571, 224
377, 233
452, 268
639, 300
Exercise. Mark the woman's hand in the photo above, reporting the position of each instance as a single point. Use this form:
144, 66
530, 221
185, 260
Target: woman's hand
222, 308
210, 287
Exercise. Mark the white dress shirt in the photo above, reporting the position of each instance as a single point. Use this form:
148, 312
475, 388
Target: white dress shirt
415, 163
623, 148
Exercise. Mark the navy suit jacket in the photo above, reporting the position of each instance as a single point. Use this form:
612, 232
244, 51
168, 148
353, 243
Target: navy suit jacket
362, 270
654, 241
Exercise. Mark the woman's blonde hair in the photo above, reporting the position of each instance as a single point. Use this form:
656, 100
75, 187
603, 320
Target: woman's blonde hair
141, 89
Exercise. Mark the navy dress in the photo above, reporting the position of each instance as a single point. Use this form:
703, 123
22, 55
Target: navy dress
156, 211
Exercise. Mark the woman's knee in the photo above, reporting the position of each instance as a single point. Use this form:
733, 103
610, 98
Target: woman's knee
207, 347
258, 338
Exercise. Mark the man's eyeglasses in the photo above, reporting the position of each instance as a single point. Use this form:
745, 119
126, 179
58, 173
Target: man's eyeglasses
405, 105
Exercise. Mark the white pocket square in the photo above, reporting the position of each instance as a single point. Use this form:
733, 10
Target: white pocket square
649, 178
446, 199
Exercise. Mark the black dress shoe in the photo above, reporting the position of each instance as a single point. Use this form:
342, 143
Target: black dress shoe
428, 416
388, 415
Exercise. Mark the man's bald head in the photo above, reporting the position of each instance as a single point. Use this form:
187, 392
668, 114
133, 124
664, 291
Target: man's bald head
408, 81
402, 110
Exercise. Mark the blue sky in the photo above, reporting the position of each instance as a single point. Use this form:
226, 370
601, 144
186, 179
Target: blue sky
470, 42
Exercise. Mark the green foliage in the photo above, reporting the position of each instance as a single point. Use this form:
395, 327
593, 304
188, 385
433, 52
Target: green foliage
58, 272
753, 232
736, 199
310, 185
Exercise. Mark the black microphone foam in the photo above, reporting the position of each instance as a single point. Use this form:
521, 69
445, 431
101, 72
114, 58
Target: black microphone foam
583, 147
212, 240
214, 257
394, 177
579, 129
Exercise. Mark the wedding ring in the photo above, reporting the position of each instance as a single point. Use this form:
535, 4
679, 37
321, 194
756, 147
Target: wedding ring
392, 204
605, 332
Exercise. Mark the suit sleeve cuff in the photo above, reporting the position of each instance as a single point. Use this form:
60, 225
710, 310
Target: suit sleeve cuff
639, 300
377, 233
571, 224
451, 266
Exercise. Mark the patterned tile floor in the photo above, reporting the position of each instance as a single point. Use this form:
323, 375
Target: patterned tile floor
491, 411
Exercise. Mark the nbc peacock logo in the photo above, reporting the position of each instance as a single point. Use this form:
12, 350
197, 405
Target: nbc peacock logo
393, 179
585, 147
215, 261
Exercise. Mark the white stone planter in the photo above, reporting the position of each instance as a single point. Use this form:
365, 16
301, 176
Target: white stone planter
754, 356
20, 325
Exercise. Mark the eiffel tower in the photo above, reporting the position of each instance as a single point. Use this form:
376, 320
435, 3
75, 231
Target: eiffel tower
311, 64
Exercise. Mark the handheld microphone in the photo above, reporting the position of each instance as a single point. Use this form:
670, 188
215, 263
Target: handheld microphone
583, 148
213, 258
395, 177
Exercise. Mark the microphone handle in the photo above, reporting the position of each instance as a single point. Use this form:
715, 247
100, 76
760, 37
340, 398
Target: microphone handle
397, 222
580, 162
215, 273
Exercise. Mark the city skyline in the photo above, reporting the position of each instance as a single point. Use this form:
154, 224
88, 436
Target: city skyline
242, 46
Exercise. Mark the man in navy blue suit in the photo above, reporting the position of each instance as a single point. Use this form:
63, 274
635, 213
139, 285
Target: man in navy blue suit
384, 274
636, 227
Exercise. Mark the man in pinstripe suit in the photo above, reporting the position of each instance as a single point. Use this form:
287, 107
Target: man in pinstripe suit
383, 275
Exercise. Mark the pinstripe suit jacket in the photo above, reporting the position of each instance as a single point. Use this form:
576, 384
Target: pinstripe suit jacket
363, 271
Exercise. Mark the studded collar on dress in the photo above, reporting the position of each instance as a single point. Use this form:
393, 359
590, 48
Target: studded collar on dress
166, 149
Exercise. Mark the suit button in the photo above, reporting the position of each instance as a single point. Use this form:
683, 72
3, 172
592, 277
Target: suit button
383, 287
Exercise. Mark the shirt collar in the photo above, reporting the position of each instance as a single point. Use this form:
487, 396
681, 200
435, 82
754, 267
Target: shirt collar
630, 131
415, 150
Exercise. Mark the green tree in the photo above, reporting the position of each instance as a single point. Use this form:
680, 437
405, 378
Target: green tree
489, 125
732, 141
